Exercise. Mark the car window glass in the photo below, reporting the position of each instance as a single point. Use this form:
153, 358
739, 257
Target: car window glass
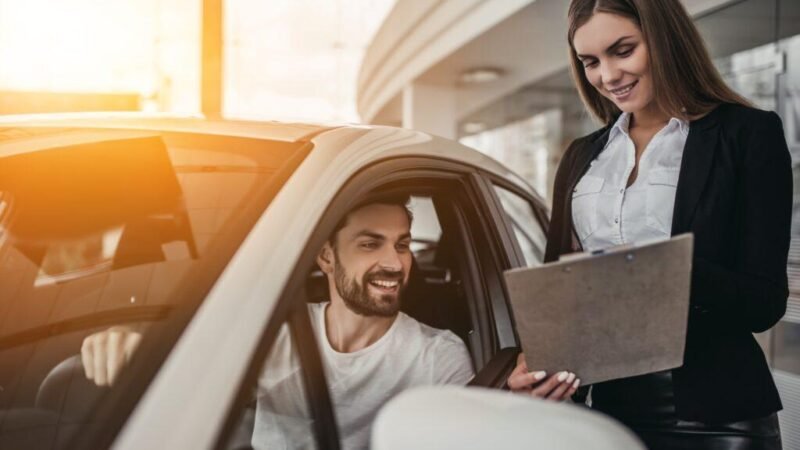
276, 413
107, 228
425, 228
529, 233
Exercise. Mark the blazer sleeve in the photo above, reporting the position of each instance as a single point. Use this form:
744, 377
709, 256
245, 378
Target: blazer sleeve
753, 294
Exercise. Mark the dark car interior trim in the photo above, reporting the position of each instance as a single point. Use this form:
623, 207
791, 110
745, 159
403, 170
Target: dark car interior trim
496, 372
492, 239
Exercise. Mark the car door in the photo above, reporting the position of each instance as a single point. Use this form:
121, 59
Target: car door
520, 220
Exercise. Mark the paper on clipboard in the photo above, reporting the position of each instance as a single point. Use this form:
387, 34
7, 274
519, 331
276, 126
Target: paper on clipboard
606, 316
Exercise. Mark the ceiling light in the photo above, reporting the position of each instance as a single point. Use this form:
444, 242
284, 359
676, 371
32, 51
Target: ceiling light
480, 75
474, 127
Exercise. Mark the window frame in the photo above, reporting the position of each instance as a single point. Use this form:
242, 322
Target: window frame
496, 371
539, 210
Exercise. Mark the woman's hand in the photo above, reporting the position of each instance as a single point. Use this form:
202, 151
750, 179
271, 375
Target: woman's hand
557, 387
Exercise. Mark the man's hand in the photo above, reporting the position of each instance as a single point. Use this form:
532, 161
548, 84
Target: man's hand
558, 387
103, 354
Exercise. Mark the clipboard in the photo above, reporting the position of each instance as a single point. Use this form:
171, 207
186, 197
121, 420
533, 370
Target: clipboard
606, 315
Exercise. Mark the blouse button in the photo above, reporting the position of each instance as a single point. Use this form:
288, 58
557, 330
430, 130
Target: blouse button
616, 220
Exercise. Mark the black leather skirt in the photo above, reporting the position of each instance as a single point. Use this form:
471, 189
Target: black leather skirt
646, 405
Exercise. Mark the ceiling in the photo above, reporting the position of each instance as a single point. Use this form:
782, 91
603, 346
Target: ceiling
727, 28
528, 47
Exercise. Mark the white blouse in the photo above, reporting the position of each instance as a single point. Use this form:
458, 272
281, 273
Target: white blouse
605, 212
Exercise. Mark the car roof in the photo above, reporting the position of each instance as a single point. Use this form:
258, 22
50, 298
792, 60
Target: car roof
271, 130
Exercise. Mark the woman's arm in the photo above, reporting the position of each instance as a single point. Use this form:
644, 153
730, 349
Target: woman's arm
753, 295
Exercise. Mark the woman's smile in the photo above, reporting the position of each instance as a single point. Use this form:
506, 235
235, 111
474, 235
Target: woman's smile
623, 93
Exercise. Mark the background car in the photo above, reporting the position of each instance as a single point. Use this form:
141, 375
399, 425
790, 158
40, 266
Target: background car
203, 234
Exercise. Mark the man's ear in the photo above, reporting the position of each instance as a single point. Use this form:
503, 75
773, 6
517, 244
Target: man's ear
325, 258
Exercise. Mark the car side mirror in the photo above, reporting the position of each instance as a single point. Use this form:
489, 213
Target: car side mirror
463, 418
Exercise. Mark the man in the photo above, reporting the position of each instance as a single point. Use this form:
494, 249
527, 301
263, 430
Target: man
370, 350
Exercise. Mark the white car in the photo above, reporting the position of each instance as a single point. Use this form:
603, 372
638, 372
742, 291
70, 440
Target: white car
204, 233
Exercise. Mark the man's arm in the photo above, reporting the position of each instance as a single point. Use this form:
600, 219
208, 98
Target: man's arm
452, 363
105, 353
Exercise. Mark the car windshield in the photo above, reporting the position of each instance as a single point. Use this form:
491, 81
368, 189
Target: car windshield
106, 227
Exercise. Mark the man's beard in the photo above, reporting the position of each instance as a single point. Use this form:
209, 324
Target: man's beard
358, 298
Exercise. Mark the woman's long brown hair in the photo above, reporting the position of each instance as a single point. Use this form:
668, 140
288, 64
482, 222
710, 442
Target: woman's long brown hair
685, 82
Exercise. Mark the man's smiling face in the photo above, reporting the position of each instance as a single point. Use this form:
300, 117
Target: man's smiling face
371, 259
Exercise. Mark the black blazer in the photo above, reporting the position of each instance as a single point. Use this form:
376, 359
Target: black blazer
735, 194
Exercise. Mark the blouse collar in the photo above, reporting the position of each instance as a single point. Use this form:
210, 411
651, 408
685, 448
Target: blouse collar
623, 122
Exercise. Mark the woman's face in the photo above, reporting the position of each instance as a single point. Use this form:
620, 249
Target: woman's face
615, 60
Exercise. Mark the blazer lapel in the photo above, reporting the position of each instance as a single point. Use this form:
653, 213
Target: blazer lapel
593, 149
698, 156
579, 168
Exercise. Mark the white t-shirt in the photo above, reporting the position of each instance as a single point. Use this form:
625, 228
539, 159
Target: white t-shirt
409, 354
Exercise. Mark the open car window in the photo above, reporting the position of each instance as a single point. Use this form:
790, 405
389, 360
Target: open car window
101, 228
530, 235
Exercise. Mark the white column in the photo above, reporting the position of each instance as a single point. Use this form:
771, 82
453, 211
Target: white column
211, 63
430, 108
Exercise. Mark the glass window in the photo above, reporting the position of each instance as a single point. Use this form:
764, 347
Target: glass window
527, 144
425, 229
787, 344
104, 228
530, 234
277, 414
737, 26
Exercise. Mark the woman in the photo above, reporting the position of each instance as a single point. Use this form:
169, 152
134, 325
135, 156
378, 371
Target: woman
680, 152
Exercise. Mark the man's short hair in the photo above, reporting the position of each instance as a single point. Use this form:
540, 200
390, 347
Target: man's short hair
390, 199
